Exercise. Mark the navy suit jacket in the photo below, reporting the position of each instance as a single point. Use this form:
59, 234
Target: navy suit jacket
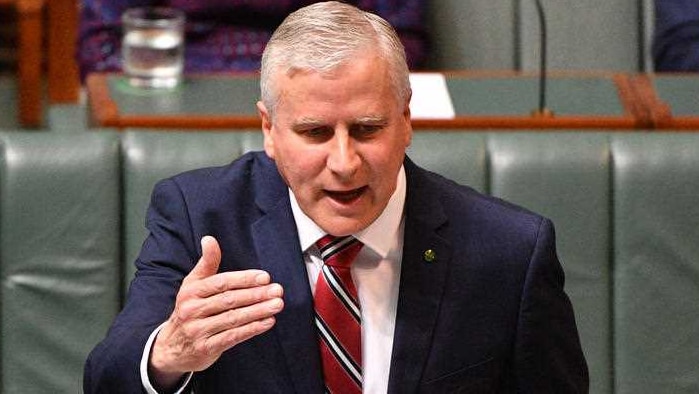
487, 315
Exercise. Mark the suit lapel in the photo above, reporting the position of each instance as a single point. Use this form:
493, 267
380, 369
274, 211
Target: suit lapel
422, 282
277, 246
426, 256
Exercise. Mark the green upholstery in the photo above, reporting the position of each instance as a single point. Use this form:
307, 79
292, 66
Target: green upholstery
72, 209
582, 35
656, 303
590, 34
59, 254
473, 34
150, 156
566, 177
465, 154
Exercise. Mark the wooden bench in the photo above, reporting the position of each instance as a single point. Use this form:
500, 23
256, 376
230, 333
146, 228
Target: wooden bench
61, 17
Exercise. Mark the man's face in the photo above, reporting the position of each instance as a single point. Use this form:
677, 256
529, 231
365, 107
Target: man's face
339, 140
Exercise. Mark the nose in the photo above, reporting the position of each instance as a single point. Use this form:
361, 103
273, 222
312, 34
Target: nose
343, 158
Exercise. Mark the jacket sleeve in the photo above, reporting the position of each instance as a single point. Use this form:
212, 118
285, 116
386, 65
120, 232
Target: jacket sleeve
166, 257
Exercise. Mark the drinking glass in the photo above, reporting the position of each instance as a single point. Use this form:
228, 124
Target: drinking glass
153, 46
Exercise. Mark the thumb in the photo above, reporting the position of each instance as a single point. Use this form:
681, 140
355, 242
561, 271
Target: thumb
210, 259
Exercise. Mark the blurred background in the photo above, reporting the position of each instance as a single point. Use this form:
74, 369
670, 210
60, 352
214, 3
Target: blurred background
616, 167
41, 42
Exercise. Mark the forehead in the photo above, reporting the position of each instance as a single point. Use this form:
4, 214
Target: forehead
361, 83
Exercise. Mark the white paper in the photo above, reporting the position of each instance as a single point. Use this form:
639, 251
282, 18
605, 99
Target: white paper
431, 98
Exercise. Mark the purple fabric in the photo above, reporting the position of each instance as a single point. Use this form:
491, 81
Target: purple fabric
225, 35
676, 35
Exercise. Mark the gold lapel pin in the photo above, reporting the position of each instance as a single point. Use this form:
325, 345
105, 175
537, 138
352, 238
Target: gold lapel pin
429, 255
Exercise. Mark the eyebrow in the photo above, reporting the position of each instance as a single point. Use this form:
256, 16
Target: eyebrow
306, 123
378, 119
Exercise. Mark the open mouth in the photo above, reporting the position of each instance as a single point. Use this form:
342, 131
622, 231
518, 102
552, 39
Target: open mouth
346, 196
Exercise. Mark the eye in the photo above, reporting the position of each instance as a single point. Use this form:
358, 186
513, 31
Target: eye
366, 130
316, 133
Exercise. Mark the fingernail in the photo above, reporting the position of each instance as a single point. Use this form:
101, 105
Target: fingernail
276, 304
268, 322
275, 290
262, 279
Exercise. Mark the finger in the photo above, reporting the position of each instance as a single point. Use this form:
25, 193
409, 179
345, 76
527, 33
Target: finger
231, 280
232, 299
229, 338
210, 259
240, 317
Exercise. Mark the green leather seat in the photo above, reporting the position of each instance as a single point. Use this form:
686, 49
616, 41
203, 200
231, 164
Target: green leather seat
625, 205
504, 35
59, 254
656, 256
458, 156
150, 156
565, 176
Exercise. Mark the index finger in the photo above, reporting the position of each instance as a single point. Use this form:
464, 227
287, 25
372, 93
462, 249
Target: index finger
232, 280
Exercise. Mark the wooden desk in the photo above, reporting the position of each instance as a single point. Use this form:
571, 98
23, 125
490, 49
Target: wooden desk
63, 82
508, 100
220, 101
29, 58
502, 100
62, 33
672, 99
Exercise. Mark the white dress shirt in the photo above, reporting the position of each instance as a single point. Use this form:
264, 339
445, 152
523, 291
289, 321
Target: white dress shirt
376, 275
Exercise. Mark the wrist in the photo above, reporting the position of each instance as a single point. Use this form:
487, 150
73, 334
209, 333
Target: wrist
160, 370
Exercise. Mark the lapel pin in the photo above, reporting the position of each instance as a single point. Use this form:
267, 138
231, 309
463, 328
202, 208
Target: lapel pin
429, 255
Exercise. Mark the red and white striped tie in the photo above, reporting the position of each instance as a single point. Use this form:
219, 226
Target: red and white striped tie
338, 316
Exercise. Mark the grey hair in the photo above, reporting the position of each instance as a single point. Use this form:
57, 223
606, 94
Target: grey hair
322, 37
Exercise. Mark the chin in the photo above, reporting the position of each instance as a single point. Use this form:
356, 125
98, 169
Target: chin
342, 226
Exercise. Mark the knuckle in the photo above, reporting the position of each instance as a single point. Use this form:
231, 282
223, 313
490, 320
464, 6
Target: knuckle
185, 292
185, 312
238, 335
235, 317
208, 347
230, 300
218, 284
189, 335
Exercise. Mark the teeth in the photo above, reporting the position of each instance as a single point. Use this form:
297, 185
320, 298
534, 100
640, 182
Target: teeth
345, 195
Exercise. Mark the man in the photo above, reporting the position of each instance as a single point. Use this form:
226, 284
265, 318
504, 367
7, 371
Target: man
458, 292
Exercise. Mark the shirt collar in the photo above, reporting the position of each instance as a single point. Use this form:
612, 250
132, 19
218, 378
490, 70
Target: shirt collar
379, 235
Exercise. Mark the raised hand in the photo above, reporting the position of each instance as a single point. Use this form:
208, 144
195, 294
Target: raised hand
213, 312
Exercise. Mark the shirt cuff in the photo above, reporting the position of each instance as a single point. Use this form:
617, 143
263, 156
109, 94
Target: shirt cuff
145, 381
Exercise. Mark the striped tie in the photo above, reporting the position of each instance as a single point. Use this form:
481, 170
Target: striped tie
337, 316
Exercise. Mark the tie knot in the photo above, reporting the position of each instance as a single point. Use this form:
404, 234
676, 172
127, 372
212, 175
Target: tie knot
338, 251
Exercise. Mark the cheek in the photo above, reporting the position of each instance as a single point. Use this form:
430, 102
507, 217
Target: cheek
390, 154
298, 166
385, 166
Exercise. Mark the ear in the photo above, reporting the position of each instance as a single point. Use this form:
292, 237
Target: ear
406, 119
406, 109
266, 129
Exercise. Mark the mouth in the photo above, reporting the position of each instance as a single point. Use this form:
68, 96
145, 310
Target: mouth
346, 196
